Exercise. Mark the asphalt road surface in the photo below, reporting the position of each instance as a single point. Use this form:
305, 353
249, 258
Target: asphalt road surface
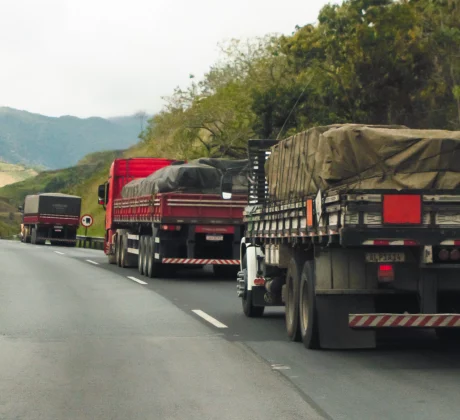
82, 339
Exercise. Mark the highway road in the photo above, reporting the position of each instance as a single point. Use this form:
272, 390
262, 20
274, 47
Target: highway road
82, 339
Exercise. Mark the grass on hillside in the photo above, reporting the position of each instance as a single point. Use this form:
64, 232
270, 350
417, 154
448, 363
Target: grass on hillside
81, 180
10, 173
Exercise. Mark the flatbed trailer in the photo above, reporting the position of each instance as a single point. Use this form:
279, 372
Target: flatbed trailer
180, 229
348, 263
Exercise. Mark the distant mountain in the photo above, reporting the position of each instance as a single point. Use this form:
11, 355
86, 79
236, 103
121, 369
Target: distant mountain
36, 140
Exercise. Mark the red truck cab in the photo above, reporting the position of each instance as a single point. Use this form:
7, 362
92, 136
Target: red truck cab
121, 172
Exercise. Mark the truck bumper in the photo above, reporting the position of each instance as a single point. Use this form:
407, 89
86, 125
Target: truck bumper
366, 321
199, 261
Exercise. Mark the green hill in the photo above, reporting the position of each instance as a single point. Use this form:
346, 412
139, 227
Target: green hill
36, 140
81, 180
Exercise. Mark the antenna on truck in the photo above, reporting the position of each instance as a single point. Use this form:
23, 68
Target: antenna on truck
294, 107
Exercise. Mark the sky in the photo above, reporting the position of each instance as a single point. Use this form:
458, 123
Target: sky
116, 57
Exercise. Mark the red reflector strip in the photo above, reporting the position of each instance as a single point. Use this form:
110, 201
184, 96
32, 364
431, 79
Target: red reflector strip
170, 227
404, 320
402, 209
385, 267
260, 281
381, 242
456, 243
214, 229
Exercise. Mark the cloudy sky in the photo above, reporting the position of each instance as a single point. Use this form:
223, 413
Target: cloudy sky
115, 57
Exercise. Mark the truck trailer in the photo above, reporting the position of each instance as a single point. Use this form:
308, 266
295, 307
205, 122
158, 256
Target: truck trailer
50, 216
162, 215
354, 229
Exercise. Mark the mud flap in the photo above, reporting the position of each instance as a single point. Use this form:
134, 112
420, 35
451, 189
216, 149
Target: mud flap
334, 332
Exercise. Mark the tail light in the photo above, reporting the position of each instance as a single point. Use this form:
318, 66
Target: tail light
443, 255
455, 255
259, 281
385, 273
170, 227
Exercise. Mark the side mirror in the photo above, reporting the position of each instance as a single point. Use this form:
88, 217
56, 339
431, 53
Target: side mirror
226, 186
21, 209
101, 194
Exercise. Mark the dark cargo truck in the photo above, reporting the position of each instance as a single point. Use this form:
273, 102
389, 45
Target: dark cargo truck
51, 216
355, 229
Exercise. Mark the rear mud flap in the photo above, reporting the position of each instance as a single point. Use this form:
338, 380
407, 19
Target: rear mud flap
334, 332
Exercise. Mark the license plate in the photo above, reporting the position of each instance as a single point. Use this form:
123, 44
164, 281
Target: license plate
378, 257
214, 237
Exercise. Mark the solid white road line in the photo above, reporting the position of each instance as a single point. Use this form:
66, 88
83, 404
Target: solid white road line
60, 253
136, 280
93, 262
209, 318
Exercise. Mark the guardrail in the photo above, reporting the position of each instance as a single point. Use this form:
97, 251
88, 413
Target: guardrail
93, 242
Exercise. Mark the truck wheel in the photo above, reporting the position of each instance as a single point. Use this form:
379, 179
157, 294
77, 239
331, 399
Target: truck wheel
33, 236
145, 240
292, 298
249, 309
123, 251
154, 269
140, 265
225, 271
307, 307
118, 250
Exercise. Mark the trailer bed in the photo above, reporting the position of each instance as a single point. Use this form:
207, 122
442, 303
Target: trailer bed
180, 208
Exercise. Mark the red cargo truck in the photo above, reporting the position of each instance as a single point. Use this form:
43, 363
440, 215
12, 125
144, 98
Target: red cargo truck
158, 231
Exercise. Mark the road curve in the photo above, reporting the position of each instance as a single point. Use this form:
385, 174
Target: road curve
78, 341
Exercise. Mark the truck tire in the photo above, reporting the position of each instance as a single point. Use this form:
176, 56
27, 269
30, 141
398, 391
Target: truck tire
33, 236
154, 269
118, 250
140, 265
123, 250
145, 240
308, 316
225, 271
249, 309
293, 274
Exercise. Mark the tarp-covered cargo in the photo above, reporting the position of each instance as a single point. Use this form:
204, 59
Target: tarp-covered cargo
238, 168
354, 156
198, 176
52, 204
